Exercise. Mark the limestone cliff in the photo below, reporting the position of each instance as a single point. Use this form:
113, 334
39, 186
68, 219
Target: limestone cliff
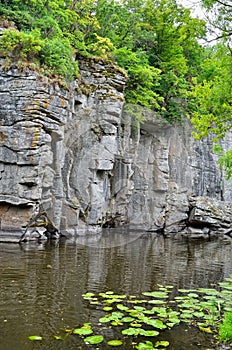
73, 160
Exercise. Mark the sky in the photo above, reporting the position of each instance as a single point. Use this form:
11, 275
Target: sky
194, 5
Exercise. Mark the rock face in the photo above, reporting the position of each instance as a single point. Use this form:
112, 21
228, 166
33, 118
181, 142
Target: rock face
74, 160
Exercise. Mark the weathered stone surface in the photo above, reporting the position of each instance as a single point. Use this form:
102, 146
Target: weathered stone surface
214, 215
80, 156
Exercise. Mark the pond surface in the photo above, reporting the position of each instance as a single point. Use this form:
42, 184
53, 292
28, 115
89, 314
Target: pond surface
41, 285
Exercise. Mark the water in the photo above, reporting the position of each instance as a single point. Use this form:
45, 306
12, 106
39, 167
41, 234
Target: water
41, 286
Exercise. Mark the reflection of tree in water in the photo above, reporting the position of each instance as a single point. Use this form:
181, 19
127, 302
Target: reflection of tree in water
42, 286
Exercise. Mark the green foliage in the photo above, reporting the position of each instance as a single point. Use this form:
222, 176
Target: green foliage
155, 41
225, 328
219, 15
49, 32
225, 161
57, 55
211, 99
20, 45
142, 77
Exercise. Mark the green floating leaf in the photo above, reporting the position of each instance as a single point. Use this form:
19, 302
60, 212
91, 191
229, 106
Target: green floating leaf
127, 319
157, 302
148, 333
113, 300
116, 314
117, 323
145, 346
139, 308
95, 302
174, 320
162, 343
193, 295
206, 330
228, 308
210, 297
149, 312
186, 315
115, 342
82, 331
131, 331
225, 285
58, 337
105, 319
170, 324
94, 339
208, 291
66, 330
198, 314
122, 307
35, 337
186, 290
161, 295
107, 308
138, 301
156, 324
228, 279
188, 305
135, 324
88, 295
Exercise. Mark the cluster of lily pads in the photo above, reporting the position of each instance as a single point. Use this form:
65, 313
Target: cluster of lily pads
154, 311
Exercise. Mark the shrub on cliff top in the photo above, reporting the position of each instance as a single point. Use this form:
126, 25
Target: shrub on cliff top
20, 45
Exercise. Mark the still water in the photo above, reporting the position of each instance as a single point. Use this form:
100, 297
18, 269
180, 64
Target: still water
41, 285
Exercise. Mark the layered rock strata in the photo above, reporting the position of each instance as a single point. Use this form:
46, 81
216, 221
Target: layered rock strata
75, 160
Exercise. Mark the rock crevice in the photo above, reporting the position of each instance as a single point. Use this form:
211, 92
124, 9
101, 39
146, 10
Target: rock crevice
80, 156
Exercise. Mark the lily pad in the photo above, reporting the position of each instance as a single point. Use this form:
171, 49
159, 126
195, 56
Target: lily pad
163, 343
156, 324
115, 342
94, 339
82, 331
105, 319
107, 308
131, 331
35, 337
157, 302
127, 319
145, 346
148, 333
58, 337
122, 307
161, 295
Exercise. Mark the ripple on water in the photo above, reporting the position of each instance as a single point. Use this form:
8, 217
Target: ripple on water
41, 286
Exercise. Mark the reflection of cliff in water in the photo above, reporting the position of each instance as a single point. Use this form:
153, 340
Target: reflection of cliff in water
152, 259
42, 285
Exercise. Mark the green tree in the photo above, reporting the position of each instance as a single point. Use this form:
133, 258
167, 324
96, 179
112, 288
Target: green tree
219, 14
212, 95
166, 35
210, 99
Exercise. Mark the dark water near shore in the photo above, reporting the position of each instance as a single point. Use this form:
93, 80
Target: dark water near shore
41, 286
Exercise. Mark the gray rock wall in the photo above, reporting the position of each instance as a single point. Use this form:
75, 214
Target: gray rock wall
75, 160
